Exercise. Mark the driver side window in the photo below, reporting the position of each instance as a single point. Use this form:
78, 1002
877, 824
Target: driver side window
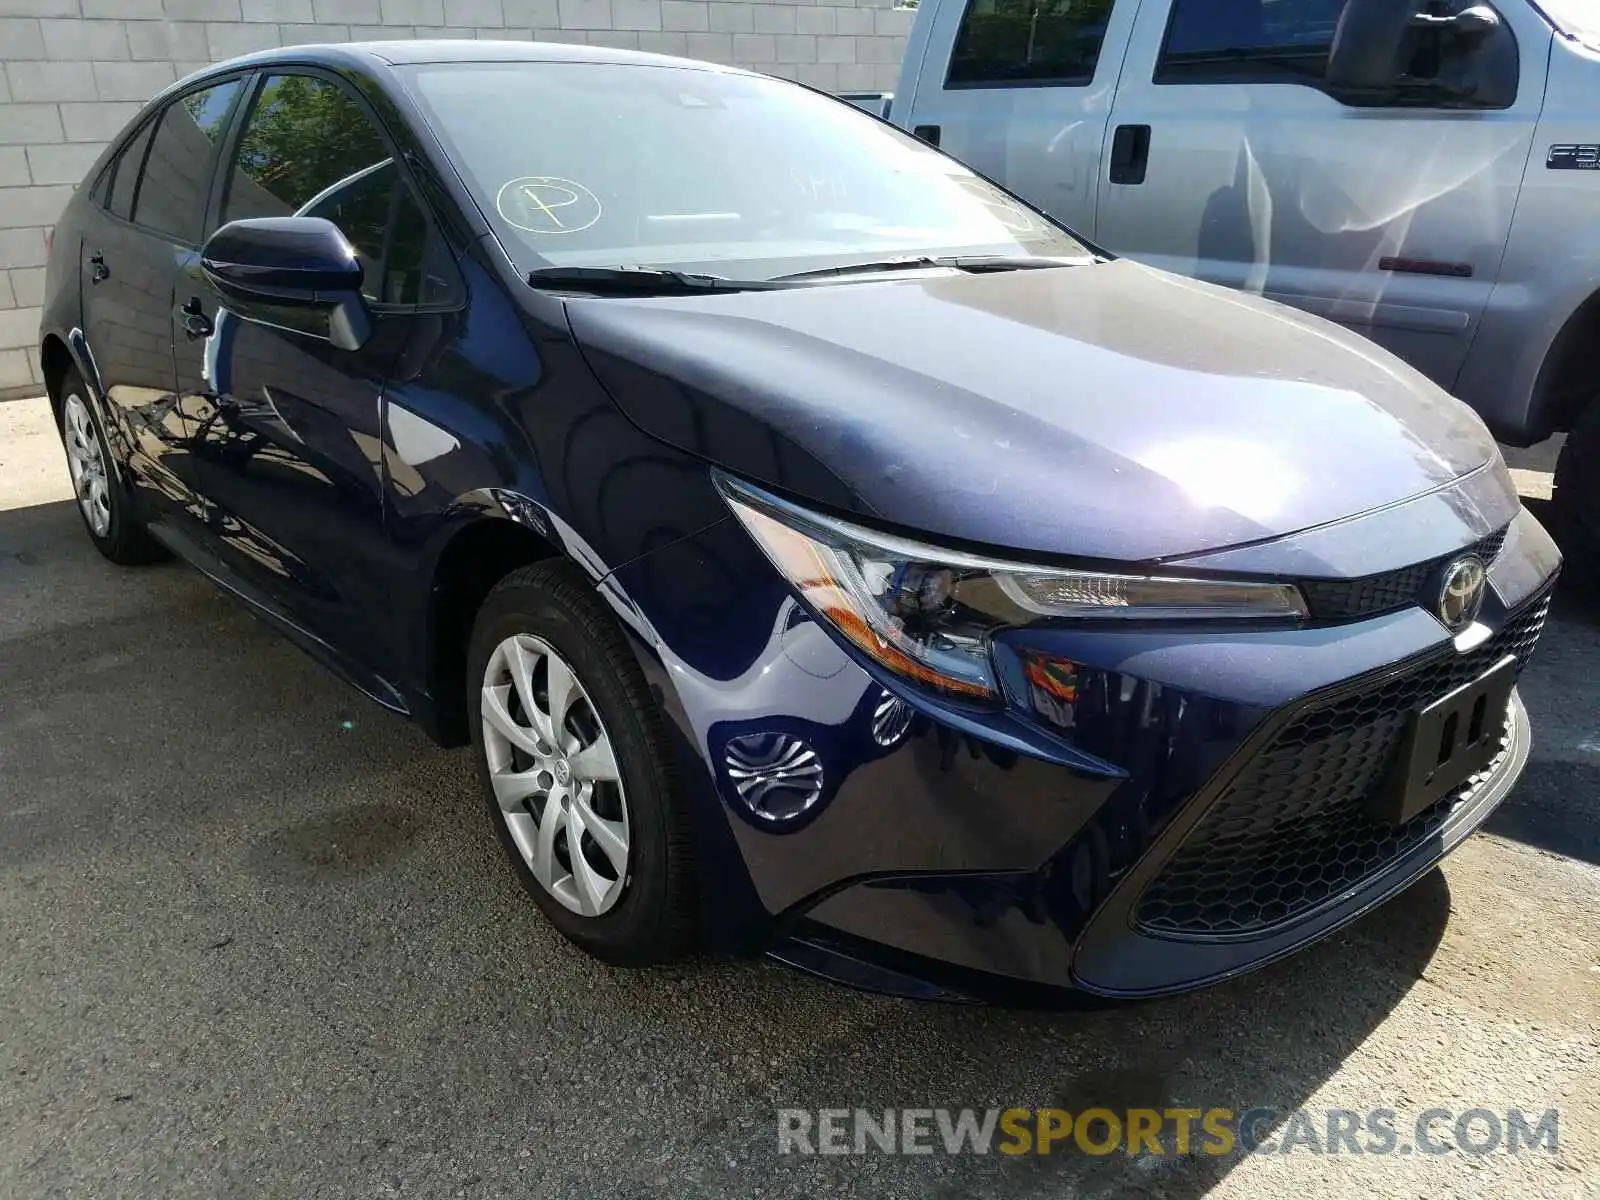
308, 149
1429, 53
1248, 41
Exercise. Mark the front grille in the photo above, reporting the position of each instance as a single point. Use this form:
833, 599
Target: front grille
1291, 832
1345, 599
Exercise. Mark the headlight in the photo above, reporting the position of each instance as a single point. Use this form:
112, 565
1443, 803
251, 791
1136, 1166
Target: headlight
927, 613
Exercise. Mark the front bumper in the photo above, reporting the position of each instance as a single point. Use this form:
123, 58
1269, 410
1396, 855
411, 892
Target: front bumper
1163, 809
1148, 935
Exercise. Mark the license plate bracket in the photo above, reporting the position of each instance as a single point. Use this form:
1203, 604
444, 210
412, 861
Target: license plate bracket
1446, 743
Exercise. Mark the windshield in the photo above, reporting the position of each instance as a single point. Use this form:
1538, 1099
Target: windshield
604, 164
1578, 19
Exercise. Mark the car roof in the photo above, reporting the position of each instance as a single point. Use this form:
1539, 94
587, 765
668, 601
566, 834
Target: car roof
441, 50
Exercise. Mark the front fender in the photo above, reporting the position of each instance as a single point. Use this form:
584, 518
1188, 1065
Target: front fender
83, 358
1507, 373
1551, 266
506, 504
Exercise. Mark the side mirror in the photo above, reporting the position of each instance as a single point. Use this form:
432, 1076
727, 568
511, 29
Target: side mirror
1365, 55
1471, 25
1374, 38
264, 266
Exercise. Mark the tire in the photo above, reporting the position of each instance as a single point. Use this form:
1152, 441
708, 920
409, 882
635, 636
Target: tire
1575, 508
550, 614
106, 508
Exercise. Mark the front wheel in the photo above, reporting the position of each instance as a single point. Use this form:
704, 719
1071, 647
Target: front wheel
577, 771
1576, 504
103, 503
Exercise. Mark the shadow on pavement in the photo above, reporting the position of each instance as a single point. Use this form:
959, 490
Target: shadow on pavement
1266, 1041
25, 531
1550, 809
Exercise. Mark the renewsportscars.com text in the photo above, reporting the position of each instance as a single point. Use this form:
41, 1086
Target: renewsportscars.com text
1214, 1131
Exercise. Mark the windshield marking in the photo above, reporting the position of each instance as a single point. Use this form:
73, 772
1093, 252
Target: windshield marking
532, 204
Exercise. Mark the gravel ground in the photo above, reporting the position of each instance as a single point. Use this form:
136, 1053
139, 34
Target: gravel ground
258, 941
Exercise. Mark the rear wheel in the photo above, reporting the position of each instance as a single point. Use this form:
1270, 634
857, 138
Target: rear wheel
103, 503
576, 769
1576, 504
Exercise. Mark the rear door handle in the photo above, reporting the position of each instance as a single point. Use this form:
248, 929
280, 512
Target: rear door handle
928, 133
1130, 153
195, 322
98, 271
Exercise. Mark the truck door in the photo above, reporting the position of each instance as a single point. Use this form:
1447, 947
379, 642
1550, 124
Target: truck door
1255, 165
1020, 90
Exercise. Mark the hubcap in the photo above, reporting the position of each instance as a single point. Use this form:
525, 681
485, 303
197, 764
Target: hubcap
87, 464
555, 775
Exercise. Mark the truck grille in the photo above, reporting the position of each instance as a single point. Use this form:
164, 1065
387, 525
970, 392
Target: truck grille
1291, 832
1344, 599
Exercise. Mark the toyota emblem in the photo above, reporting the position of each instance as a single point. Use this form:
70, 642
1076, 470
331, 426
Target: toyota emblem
1461, 595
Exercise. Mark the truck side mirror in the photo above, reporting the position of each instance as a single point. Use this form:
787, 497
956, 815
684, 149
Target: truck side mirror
1378, 44
1365, 55
1470, 25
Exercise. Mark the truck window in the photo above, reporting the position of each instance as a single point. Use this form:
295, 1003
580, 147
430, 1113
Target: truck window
1032, 42
1248, 41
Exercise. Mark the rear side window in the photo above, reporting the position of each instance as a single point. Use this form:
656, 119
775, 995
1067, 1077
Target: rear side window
1028, 42
308, 149
1248, 40
171, 195
125, 173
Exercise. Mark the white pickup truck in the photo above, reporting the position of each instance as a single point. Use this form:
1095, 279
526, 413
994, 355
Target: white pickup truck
1426, 172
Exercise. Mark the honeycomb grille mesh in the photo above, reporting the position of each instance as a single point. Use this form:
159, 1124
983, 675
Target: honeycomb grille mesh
1343, 599
1291, 832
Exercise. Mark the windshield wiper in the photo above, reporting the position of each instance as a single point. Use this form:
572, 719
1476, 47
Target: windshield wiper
975, 263
661, 281
638, 281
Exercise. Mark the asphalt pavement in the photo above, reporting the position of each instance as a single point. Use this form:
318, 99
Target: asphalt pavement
258, 940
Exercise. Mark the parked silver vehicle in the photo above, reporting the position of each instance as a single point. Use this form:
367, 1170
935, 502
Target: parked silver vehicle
1426, 172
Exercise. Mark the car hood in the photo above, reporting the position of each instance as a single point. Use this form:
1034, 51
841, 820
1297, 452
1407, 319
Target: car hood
1107, 411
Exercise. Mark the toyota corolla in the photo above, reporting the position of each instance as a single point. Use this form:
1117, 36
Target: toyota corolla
823, 553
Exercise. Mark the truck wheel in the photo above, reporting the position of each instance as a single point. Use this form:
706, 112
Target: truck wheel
1575, 510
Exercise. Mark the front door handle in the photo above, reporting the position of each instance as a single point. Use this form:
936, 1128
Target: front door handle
1130, 153
98, 271
195, 322
928, 133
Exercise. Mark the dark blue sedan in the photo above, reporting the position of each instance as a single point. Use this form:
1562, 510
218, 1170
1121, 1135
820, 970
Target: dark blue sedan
824, 553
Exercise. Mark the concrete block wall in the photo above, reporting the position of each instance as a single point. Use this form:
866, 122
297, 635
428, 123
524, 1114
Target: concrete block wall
72, 72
